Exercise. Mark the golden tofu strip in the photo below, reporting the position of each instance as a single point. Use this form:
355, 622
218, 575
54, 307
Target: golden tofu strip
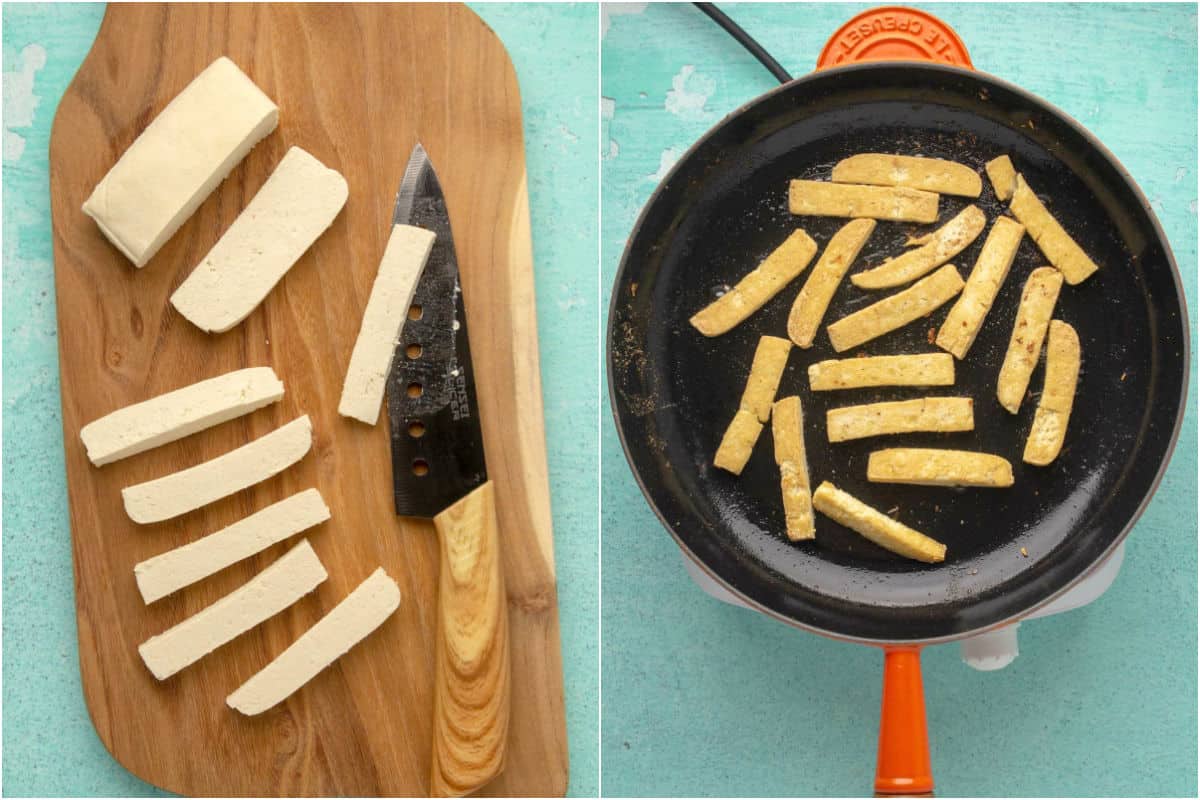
754, 408
787, 426
913, 172
758, 286
738, 442
934, 250
1003, 177
1029, 331
920, 369
1055, 243
845, 509
822, 199
934, 467
936, 414
897, 310
966, 316
1058, 396
810, 305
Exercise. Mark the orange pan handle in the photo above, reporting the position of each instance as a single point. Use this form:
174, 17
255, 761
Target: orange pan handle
903, 766
892, 33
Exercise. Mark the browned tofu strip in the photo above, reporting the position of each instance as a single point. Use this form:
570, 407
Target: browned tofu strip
924, 466
1003, 177
821, 199
845, 509
937, 414
919, 369
758, 286
966, 316
754, 408
1029, 331
1058, 396
809, 308
897, 310
935, 249
914, 172
738, 442
787, 425
1055, 243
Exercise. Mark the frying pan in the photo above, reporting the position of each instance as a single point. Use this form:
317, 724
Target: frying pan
673, 391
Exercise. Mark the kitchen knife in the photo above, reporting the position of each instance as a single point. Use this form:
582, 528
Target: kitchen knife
439, 473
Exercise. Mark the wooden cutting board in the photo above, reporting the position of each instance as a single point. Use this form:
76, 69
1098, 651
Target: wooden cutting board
357, 85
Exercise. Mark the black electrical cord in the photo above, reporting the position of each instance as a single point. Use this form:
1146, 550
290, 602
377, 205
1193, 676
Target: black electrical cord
733, 29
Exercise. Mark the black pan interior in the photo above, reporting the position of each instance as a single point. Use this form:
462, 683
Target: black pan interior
673, 391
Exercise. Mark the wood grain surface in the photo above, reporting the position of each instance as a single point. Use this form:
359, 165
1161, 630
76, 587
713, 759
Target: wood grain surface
356, 86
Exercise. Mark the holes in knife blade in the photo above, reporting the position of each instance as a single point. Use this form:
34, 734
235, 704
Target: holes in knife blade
413, 351
415, 389
416, 429
415, 311
420, 468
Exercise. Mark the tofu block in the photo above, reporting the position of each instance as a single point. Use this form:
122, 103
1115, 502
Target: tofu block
897, 310
189, 148
918, 369
179, 413
350, 621
266, 594
913, 172
758, 286
787, 427
821, 199
813, 300
934, 467
966, 316
847, 510
189, 489
1055, 243
754, 407
936, 414
1029, 331
934, 250
1003, 177
403, 261
292, 209
1058, 396
171, 571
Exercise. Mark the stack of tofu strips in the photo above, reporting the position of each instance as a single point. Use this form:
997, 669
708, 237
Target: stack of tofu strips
152, 190
875, 187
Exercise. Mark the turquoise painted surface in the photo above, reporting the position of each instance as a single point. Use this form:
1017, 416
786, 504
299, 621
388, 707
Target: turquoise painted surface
701, 698
49, 745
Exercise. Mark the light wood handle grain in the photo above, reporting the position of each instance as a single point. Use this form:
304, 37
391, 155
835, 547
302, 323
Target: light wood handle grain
471, 695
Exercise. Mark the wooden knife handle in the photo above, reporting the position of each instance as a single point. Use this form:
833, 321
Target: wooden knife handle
471, 694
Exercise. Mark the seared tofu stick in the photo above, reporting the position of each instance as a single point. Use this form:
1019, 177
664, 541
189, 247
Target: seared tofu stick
934, 467
913, 172
881, 529
758, 286
754, 409
809, 308
937, 414
1055, 243
1029, 331
919, 369
934, 250
738, 442
897, 310
1058, 396
821, 199
1003, 177
787, 425
962, 324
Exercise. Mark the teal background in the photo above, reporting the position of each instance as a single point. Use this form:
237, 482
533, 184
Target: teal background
701, 698
49, 745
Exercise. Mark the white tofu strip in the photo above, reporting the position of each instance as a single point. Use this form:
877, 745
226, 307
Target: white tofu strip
189, 489
189, 148
294, 575
351, 621
403, 260
171, 571
179, 413
292, 209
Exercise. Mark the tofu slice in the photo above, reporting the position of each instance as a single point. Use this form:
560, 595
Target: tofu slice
913, 172
966, 316
169, 572
1058, 396
738, 442
179, 413
822, 199
758, 286
403, 261
936, 414
292, 209
934, 250
847, 510
897, 310
787, 426
189, 148
350, 621
1029, 331
810, 305
189, 489
754, 408
934, 467
1055, 243
278, 586
1003, 177
918, 369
